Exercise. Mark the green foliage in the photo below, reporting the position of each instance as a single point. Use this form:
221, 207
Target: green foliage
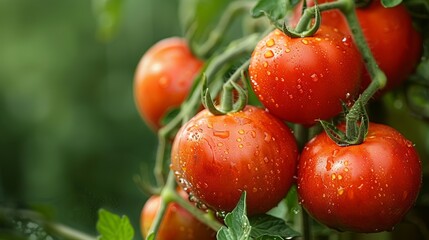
237, 224
390, 3
270, 227
113, 227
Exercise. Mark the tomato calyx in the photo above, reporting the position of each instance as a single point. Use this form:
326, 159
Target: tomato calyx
356, 129
302, 29
230, 88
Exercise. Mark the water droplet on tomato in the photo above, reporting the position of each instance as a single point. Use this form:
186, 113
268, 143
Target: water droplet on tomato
314, 77
269, 54
221, 214
267, 137
164, 82
287, 50
266, 160
265, 64
333, 176
270, 43
221, 134
305, 41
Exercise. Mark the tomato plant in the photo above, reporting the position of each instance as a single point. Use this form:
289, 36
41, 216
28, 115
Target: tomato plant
362, 188
390, 34
307, 75
177, 223
163, 79
216, 158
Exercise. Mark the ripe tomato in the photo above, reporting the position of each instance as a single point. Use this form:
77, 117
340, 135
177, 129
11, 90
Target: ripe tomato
176, 224
361, 188
390, 34
216, 158
163, 79
302, 80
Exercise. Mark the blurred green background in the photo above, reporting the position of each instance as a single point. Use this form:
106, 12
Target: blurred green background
71, 138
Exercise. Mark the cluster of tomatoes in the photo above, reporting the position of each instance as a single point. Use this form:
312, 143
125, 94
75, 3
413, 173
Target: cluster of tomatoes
367, 187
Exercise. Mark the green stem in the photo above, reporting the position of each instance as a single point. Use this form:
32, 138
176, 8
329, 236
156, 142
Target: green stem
233, 9
166, 198
65, 232
378, 78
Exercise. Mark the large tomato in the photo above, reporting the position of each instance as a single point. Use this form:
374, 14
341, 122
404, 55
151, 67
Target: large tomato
163, 79
302, 80
361, 188
177, 222
216, 158
390, 34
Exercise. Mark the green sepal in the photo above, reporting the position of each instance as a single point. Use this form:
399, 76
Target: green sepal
207, 100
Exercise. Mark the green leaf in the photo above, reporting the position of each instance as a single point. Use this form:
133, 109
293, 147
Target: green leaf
273, 9
113, 227
237, 223
390, 3
269, 227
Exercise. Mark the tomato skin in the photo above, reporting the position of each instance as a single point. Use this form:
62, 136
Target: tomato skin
361, 188
390, 35
302, 80
163, 79
177, 222
216, 158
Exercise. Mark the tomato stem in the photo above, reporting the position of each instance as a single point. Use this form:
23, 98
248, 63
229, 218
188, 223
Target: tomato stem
233, 9
357, 118
227, 104
167, 196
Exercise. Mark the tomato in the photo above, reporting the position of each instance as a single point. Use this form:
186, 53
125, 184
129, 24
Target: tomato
163, 79
302, 80
390, 34
216, 158
177, 222
361, 188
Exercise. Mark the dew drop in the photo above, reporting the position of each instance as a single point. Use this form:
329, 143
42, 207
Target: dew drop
221, 134
265, 64
305, 41
164, 82
253, 134
267, 137
269, 54
314, 77
266, 160
270, 43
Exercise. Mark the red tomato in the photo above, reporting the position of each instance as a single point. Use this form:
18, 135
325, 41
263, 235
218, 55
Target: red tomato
177, 222
216, 158
361, 188
302, 80
163, 79
390, 34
